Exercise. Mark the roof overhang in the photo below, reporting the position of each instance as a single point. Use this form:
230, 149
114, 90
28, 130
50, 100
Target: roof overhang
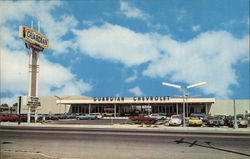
134, 100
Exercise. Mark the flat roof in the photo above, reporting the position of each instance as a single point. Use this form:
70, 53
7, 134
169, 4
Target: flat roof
133, 100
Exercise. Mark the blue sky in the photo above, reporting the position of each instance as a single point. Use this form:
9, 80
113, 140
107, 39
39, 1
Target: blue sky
128, 48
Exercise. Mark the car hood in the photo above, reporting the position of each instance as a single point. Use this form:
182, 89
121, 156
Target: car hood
175, 120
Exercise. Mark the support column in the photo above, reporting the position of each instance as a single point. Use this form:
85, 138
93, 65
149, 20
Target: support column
33, 77
35, 115
89, 109
184, 120
119, 110
177, 111
115, 110
33, 72
235, 118
28, 115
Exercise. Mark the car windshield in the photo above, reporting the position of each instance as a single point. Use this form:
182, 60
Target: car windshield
217, 117
194, 117
176, 117
230, 117
240, 117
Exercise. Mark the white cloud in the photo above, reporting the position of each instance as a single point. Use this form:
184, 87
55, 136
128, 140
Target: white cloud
209, 57
8, 38
10, 101
132, 12
54, 27
116, 43
196, 28
54, 79
181, 14
55, 30
56, 76
131, 78
87, 22
136, 91
14, 71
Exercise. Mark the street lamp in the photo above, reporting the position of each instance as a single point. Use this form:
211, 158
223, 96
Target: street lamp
184, 93
59, 103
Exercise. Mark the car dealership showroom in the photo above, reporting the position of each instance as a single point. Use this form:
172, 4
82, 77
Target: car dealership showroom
121, 106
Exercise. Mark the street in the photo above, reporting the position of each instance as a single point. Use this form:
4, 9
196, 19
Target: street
43, 143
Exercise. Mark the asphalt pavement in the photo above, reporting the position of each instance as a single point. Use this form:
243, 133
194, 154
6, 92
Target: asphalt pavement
44, 142
127, 124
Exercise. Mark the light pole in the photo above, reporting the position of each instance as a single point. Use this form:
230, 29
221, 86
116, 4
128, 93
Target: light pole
184, 93
59, 103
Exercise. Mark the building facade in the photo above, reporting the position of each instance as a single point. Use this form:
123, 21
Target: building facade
120, 106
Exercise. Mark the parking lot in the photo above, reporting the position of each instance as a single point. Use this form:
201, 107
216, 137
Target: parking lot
92, 122
195, 120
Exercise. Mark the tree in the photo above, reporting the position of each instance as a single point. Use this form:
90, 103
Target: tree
15, 104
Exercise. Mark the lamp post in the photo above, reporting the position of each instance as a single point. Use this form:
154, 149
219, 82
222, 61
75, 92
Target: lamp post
59, 103
184, 93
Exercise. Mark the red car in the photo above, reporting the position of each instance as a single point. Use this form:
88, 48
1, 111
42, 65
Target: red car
23, 117
8, 117
143, 118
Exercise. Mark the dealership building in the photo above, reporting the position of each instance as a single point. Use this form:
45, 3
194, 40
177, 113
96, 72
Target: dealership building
121, 106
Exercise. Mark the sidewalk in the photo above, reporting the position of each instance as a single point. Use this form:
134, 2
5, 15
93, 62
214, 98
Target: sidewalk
224, 130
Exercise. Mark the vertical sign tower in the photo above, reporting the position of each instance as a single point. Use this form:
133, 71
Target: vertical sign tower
35, 42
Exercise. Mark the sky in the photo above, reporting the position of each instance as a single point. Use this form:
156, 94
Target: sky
118, 48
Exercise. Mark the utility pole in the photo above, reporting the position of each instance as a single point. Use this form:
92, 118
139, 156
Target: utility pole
19, 109
235, 118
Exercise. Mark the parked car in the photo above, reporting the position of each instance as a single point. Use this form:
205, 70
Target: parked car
108, 114
241, 121
247, 116
203, 117
157, 116
175, 120
127, 114
86, 117
143, 118
71, 116
23, 117
60, 116
51, 117
98, 115
216, 120
229, 121
195, 120
8, 117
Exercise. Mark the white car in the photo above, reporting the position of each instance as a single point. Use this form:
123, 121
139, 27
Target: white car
175, 120
98, 115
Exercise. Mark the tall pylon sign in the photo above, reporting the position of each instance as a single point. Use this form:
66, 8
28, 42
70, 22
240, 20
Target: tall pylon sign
35, 42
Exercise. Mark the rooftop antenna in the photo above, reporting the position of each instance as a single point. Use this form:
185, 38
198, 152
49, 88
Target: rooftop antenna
38, 27
32, 24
